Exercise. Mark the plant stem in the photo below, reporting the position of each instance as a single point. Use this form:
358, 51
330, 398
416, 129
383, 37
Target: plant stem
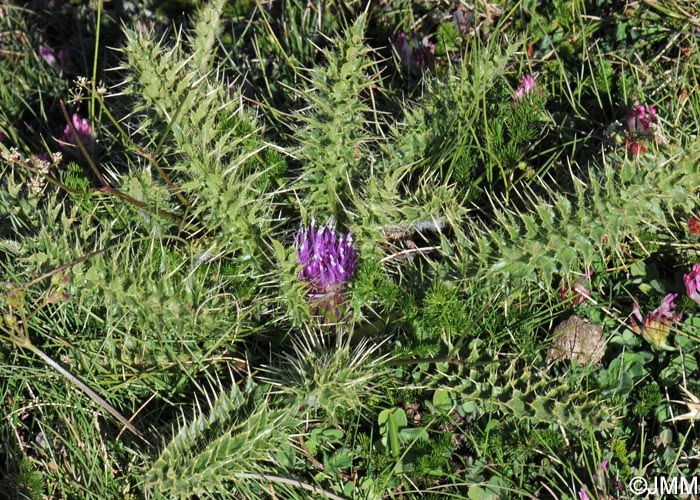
292, 482
83, 387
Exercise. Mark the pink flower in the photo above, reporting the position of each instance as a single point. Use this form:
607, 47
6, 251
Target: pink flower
582, 494
640, 118
578, 292
654, 326
527, 86
82, 127
692, 283
48, 55
600, 480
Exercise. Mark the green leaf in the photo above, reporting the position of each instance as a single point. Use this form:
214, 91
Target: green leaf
390, 421
413, 434
286, 457
341, 459
442, 401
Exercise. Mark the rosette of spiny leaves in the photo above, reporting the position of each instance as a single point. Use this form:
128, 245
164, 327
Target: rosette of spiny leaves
514, 388
168, 303
230, 445
325, 376
357, 174
332, 132
204, 143
557, 233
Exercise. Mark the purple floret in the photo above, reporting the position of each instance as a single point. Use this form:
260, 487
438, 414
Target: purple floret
328, 259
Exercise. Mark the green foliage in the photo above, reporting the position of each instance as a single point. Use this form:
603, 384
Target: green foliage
229, 444
77, 185
649, 397
443, 314
323, 377
526, 393
334, 133
28, 85
390, 423
480, 135
206, 142
155, 271
25, 482
558, 233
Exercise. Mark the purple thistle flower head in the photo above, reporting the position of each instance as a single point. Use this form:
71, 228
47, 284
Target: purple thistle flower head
328, 260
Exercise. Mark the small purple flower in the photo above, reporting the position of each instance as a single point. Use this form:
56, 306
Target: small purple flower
403, 48
654, 326
640, 118
600, 479
416, 55
82, 127
328, 261
424, 54
692, 283
526, 87
64, 57
582, 494
48, 55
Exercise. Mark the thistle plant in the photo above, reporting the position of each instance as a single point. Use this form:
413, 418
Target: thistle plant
214, 184
225, 444
328, 377
169, 283
333, 135
555, 233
